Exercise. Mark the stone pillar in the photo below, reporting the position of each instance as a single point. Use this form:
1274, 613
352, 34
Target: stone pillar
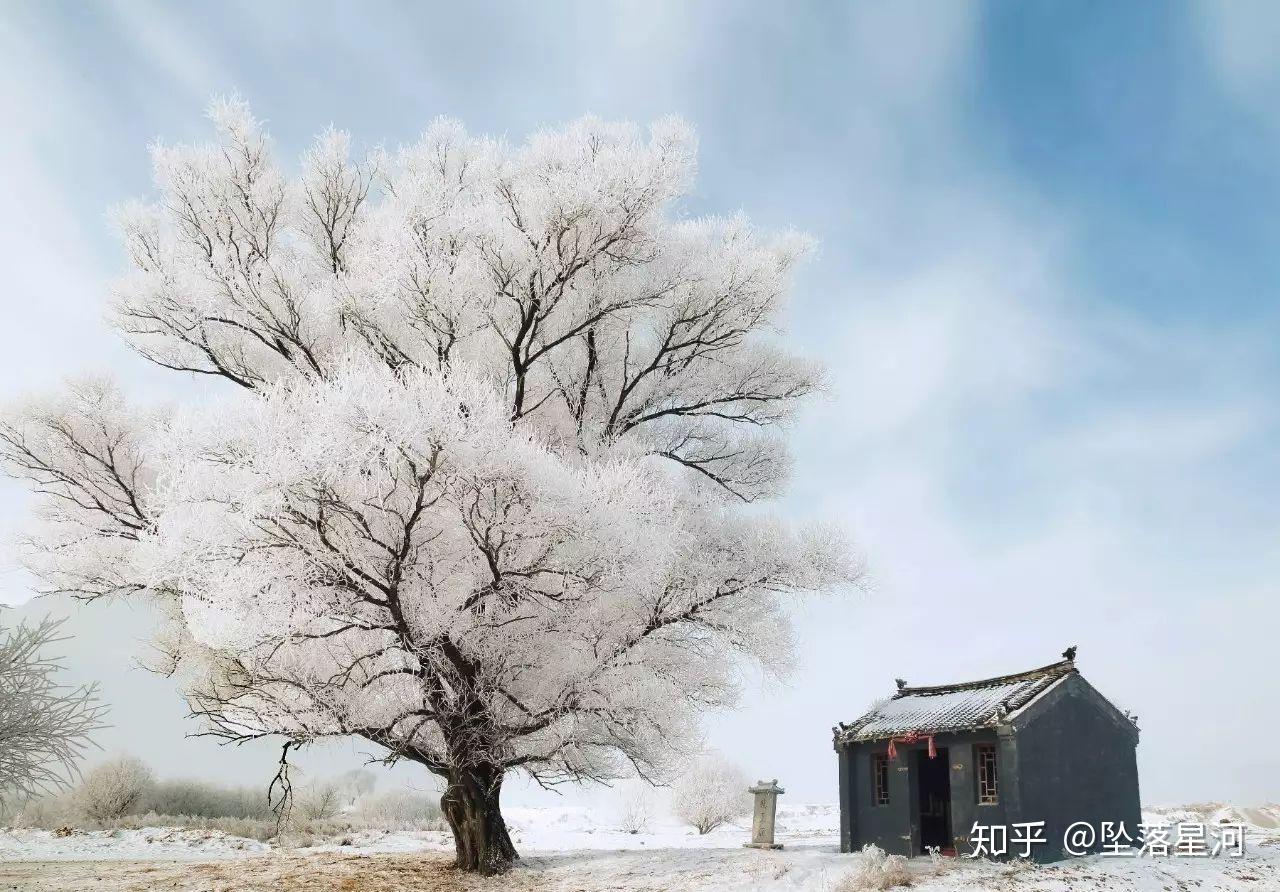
762, 815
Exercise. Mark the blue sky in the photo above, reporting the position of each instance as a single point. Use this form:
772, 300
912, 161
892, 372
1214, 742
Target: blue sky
1047, 291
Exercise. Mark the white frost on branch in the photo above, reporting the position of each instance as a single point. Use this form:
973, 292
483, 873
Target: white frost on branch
382, 550
45, 726
82, 454
114, 788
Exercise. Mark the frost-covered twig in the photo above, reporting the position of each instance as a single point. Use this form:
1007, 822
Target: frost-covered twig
45, 726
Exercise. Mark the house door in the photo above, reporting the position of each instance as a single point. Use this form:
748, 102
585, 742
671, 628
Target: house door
934, 789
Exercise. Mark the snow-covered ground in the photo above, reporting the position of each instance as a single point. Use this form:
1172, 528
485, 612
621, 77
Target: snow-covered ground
577, 848
168, 843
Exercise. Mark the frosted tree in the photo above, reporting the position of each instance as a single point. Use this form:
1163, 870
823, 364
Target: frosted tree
356, 785
475, 491
45, 726
712, 792
114, 788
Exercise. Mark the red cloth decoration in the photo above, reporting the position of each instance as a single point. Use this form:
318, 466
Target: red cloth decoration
911, 737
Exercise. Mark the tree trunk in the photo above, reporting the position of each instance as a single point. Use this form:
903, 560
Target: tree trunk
470, 805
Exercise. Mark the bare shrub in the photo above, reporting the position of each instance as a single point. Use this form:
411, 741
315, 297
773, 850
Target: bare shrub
636, 811
713, 792
938, 865
113, 788
875, 870
319, 801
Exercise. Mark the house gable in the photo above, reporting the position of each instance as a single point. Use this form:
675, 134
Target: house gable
1075, 756
1073, 685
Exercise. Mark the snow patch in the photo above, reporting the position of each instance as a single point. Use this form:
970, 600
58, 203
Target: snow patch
18, 844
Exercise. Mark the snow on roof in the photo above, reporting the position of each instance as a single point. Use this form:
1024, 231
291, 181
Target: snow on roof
953, 707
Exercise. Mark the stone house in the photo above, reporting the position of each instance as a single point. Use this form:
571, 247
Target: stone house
921, 768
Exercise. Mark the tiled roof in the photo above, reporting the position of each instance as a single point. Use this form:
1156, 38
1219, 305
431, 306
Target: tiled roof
954, 707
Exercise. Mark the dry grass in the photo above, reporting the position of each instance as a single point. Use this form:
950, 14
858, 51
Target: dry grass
874, 870
276, 873
383, 814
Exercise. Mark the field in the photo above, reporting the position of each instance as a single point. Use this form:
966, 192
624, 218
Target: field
573, 849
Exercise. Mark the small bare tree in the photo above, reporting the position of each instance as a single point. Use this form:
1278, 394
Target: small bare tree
636, 811
45, 727
114, 788
713, 792
319, 801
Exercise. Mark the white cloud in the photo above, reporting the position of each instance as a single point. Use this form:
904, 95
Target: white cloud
1239, 40
171, 50
910, 53
949, 338
1180, 435
51, 284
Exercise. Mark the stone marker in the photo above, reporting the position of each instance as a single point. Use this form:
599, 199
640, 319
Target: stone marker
762, 816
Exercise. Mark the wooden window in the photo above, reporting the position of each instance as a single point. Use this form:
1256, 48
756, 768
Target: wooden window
984, 756
879, 778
